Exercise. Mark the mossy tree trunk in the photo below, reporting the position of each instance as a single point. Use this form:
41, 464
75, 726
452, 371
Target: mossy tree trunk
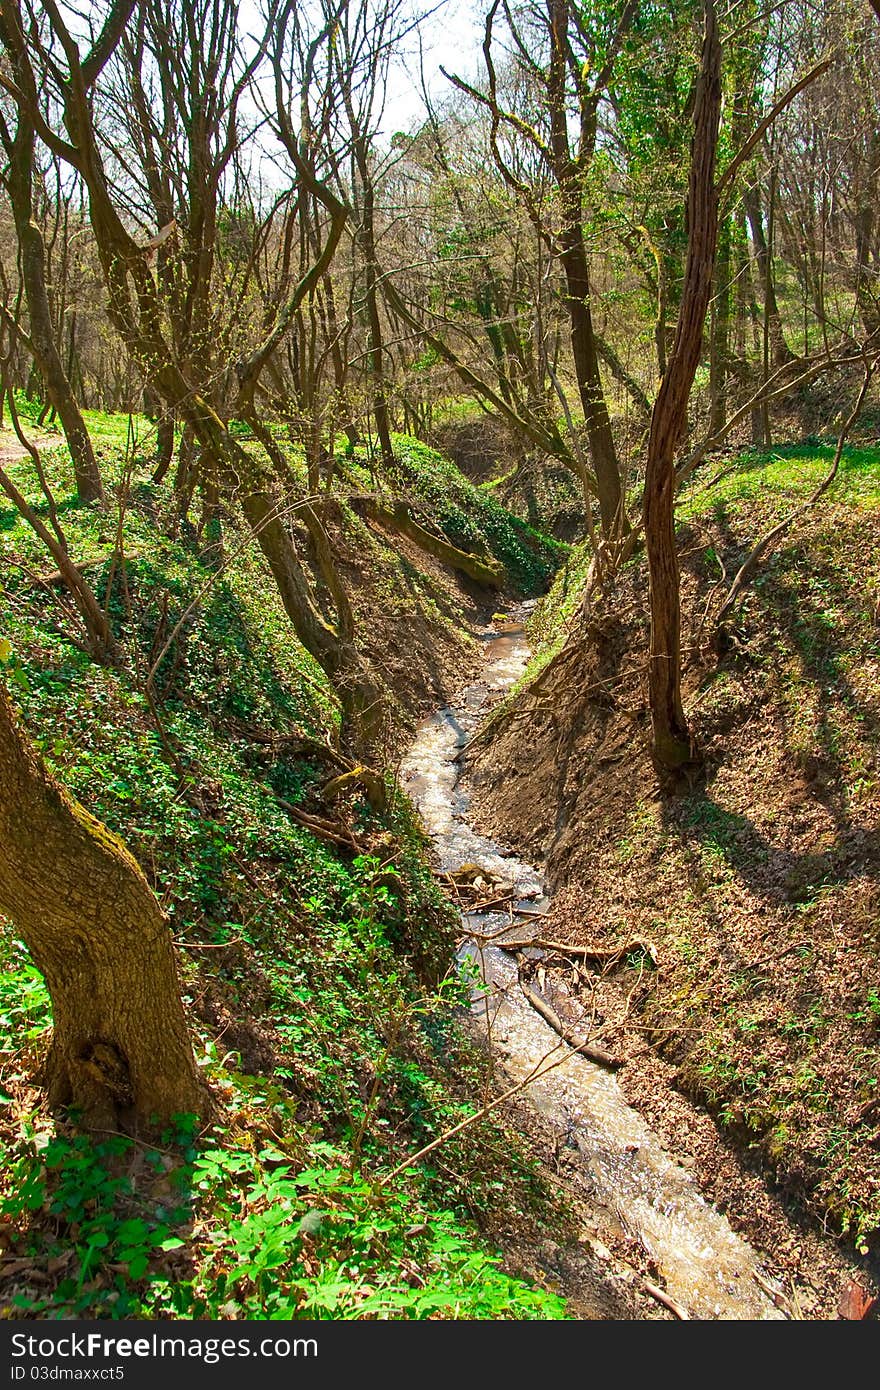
120, 1051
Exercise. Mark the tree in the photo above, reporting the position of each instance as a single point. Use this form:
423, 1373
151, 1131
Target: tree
136, 310
183, 72
19, 143
675, 757
566, 85
120, 1051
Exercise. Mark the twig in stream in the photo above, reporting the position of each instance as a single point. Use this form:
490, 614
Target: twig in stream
663, 1297
538, 1071
774, 1294
477, 909
565, 948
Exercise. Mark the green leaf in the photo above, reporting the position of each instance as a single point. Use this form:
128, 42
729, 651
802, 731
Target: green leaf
137, 1264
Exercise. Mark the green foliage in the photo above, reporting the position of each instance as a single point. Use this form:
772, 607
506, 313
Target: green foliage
333, 1054
786, 472
230, 1228
24, 1000
473, 519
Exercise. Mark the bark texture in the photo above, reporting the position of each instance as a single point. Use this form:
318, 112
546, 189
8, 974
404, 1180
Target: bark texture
120, 1052
569, 171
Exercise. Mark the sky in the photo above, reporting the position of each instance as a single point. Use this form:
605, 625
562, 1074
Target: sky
451, 38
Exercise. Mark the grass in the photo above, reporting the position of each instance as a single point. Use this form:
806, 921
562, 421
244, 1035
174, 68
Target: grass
785, 475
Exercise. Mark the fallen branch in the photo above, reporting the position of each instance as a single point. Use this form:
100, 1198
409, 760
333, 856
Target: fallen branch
585, 1049
304, 743
603, 953
323, 829
774, 955
397, 517
761, 397
478, 908
776, 1295
207, 945
565, 948
549, 1062
83, 566
372, 782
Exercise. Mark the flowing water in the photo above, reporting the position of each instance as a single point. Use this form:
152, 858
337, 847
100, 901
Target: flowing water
703, 1265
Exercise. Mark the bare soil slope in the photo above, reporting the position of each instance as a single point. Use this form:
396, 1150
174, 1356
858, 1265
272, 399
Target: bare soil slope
758, 894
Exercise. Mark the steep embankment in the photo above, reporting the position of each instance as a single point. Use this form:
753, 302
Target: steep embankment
310, 935
759, 893
415, 608
530, 485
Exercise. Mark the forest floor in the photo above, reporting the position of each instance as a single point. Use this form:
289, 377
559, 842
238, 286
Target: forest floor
747, 991
12, 449
313, 944
752, 1044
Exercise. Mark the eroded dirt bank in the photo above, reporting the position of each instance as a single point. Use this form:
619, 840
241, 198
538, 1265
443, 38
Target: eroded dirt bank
673, 1208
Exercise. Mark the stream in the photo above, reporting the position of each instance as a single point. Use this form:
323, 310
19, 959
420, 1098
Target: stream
639, 1188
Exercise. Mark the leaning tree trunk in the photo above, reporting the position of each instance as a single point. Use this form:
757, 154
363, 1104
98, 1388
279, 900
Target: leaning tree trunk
120, 1052
675, 757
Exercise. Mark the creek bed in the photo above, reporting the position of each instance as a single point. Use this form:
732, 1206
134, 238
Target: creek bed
638, 1187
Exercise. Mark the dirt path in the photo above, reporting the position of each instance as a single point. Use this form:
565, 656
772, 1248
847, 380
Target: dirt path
11, 448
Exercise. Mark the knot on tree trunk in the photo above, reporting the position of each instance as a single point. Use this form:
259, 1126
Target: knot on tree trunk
105, 1065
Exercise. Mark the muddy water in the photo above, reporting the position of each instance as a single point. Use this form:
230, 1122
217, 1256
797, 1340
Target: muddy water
638, 1187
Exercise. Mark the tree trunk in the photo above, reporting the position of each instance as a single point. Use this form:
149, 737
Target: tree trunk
32, 259
85, 468
570, 170
163, 419
719, 354
675, 757
136, 311
120, 1052
586, 363
335, 651
397, 518
374, 322
781, 352
362, 702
